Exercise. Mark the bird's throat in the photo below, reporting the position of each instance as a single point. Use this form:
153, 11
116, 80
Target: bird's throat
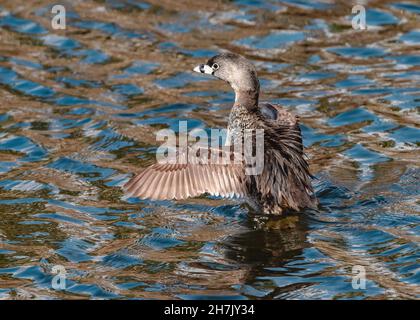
247, 99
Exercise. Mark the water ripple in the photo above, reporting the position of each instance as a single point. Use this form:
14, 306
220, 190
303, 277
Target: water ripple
78, 114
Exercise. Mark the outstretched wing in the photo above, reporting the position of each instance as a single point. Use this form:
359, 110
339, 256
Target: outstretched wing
181, 181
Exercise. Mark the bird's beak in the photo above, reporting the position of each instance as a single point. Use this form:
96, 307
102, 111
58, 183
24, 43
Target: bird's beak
203, 68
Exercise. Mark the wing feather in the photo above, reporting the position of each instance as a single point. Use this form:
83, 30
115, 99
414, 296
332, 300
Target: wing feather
181, 182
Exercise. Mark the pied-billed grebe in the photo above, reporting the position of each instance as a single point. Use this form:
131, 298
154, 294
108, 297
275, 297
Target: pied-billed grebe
284, 182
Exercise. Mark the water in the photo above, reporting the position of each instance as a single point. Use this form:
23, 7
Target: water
77, 115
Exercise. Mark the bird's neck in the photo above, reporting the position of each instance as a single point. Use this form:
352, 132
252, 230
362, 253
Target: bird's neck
244, 113
247, 99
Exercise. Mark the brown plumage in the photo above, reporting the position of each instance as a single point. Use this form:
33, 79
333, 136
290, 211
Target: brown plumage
283, 184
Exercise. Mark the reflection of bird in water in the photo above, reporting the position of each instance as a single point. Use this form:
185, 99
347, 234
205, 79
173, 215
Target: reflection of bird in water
284, 182
214, 252
268, 242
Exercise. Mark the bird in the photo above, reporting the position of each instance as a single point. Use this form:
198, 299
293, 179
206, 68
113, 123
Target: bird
284, 184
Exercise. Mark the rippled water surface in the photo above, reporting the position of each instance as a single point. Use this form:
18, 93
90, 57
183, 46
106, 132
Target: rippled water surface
78, 112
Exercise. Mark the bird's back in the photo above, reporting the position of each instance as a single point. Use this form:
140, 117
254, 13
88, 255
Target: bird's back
285, 181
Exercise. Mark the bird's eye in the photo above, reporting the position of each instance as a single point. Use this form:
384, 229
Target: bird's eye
215, 66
